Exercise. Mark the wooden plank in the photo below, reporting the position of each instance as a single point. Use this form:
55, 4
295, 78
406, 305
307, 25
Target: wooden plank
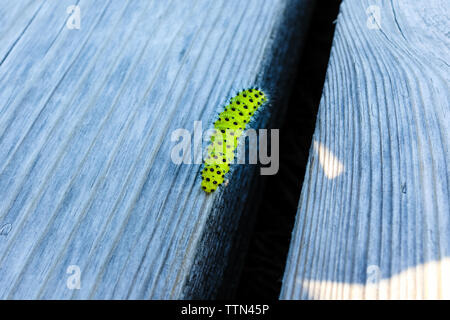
86, 116
373, 218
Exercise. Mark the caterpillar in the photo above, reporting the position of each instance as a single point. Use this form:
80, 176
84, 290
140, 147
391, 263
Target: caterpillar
227, 130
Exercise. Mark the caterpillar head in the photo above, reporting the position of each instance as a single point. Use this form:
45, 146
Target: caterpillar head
213, 176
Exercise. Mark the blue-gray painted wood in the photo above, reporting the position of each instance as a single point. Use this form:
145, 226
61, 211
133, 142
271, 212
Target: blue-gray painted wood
374, 214
86, 117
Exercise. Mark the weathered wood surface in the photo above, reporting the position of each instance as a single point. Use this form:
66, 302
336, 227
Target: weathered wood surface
86, 116
374, 217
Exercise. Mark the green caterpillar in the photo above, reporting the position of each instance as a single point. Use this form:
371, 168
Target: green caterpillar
228, 128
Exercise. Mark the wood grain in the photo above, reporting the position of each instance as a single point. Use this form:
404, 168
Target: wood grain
373, 218
86, 117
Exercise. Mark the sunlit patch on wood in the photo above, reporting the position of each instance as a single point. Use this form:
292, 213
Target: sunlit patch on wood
331, 165
399, 286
